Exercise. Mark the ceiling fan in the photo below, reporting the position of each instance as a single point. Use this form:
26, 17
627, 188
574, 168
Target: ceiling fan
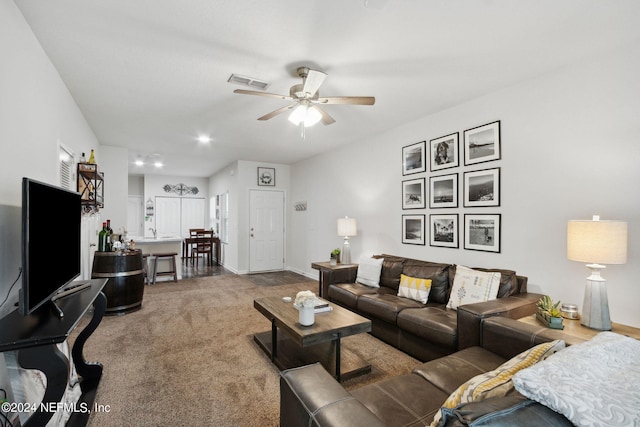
306, 99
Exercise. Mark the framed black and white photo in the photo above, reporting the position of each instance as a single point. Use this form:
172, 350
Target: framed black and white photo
482, 188
414, 158
267, 176
444, 230
413, 229
443, 191
444, 152
482, 232
482, 143
413, 194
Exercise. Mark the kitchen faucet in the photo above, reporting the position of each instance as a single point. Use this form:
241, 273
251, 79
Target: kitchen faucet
155, 234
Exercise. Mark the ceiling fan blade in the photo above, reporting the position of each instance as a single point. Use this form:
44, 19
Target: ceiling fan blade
276, 112
326, 118
352, 100
313, 82
267, 94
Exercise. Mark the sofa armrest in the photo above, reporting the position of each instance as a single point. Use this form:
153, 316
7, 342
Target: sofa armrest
470, 316
310, 396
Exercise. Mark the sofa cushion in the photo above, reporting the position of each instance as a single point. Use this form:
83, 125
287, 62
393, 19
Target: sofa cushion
447, 373
435, 324
498, 382
596, 382
346, 294
438, 273
414, 288
403, 400
369, 271
384, 306
391, 270
471, 286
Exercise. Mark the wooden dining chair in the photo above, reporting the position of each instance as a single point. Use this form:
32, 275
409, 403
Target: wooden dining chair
204, 246
193, 232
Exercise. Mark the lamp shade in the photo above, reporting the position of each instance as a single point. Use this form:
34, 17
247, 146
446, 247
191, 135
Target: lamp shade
600, 242
347, 226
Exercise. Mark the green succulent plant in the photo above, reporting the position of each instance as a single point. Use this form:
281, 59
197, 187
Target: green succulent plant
547, 305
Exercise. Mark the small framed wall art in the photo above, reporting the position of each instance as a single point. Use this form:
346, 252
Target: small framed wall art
413, 229
267, 177
414, 158
413, 194
482, 143
444, 230
482, 232
444, 152
482, 188
443, 191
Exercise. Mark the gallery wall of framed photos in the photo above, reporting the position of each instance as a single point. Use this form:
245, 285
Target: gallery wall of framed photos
449, 177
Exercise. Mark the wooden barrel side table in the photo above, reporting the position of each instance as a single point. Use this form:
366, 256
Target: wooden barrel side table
125, 273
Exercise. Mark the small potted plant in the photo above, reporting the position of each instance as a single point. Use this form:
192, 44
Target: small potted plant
549, 313
335, 256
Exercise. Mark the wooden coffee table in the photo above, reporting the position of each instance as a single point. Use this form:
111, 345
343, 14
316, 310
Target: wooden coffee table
290, 344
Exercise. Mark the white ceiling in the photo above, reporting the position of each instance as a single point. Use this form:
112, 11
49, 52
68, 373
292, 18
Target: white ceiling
151, 75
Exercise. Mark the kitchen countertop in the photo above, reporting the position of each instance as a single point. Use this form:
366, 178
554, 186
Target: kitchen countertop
159, 240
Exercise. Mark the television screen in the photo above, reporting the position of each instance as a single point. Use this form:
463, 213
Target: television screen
51, 222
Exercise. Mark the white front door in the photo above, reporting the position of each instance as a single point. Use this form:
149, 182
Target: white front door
266, 231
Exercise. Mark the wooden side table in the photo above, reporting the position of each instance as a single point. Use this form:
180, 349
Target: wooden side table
329, 274
575, 329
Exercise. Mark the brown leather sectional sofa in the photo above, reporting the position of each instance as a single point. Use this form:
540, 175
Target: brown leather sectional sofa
429, 331
309, 396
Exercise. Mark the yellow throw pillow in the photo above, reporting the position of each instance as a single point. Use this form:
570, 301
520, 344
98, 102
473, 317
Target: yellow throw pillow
498, 382
414, 288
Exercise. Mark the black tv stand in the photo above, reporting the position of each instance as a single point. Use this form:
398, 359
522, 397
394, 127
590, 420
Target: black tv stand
34, 337
56, 309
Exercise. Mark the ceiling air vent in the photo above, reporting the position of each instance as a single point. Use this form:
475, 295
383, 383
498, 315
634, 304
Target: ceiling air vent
248, 81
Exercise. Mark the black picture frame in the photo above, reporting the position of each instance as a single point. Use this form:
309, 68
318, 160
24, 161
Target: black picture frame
413, 194
444, 230
413, 229
443, 191
482, 232
266, 177
414, 158
482, 144
444, 152
482, 188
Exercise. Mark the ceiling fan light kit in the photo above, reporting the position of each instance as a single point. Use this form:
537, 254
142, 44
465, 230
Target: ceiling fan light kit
306, 100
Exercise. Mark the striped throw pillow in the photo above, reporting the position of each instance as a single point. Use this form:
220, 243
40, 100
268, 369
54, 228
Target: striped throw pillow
414, 288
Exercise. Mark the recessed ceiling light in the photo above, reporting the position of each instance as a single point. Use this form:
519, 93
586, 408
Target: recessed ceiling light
139, 163
158, 164
204, 139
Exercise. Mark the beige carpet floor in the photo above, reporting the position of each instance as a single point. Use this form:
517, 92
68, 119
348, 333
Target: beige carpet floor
188, 358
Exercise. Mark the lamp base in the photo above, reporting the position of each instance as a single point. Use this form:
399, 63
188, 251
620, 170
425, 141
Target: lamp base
346, 251
595, 309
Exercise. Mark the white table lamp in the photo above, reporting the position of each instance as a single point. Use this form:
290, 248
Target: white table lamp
597, 242
346, 228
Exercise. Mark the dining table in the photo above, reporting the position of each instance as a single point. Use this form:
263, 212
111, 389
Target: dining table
211, 242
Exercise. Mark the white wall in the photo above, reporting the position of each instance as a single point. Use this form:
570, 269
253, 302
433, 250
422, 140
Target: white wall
113, 161
570, 149
36, 112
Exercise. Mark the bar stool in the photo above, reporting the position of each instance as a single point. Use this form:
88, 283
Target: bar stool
173, 272
145, 268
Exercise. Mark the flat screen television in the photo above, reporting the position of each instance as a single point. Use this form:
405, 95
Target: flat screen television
51, 222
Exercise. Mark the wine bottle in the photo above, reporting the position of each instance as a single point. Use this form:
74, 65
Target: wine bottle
102, 238
92, 157
109, 233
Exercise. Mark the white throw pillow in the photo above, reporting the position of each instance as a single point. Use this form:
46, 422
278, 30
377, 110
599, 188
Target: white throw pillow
471, 286
369, 271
